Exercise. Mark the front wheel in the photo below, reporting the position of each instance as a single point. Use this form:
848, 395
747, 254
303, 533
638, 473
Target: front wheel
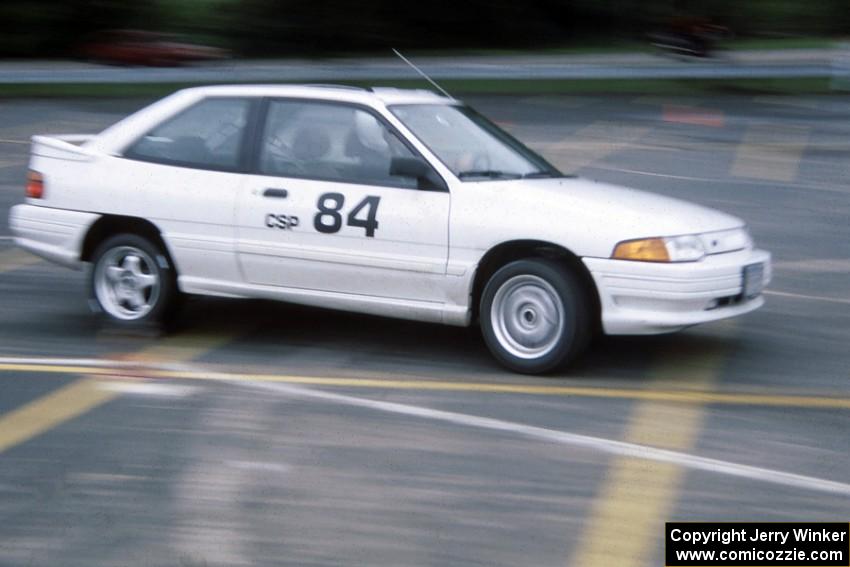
132, 281
534, 316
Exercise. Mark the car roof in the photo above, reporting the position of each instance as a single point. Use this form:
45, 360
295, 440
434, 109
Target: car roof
375, 96
122, 133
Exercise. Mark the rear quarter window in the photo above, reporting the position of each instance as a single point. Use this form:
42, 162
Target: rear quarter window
207, 135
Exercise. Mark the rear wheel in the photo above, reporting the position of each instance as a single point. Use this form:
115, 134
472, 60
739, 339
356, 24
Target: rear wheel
535, 316
132, 281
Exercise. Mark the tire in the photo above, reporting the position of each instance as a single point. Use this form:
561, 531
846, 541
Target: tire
132, 282
535, 316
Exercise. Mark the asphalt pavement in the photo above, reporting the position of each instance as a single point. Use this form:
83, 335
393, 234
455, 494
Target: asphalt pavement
258, 433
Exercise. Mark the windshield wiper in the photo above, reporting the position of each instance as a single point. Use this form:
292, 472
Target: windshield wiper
490, 173
538, 175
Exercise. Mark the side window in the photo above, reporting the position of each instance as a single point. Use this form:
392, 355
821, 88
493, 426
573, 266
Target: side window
207, 135
330, 142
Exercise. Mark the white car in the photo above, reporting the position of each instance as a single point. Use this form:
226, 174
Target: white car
392, 202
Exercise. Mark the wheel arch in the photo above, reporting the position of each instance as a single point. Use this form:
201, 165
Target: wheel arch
510, 251
111, 225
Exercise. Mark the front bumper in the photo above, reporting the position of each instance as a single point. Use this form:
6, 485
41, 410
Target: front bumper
646, 298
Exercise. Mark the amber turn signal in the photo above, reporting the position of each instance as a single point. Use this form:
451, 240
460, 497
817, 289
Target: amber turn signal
645, 250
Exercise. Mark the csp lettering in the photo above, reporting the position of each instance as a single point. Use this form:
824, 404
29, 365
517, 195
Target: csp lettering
283, 222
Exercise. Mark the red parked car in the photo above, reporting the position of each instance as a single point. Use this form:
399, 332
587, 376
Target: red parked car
136, 47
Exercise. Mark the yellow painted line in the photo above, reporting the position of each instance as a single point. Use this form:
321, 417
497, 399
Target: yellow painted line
184, 347
637, 496
771, 152
689, 396
87, 393
55, 369
15, 259
51, 410
591, 144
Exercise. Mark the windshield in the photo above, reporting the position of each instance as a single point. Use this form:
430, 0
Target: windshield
471, 146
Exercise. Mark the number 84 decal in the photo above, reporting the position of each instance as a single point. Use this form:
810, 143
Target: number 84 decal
329, 218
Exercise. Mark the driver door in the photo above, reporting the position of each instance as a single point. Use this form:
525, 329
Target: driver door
324, 212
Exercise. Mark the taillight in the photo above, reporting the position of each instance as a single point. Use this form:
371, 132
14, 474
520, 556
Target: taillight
35, 185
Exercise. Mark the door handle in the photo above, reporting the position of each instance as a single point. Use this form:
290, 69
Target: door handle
277, 193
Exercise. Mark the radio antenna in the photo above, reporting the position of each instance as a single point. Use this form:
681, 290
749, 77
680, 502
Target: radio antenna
421, 72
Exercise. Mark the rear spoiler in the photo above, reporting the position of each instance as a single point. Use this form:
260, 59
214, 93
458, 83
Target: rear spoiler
64, 146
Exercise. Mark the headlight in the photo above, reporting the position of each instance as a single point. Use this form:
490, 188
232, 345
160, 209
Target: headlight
727, 240
672, 249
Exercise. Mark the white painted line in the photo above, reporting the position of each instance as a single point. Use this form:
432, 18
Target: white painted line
719, 180
148, 389
809, 297
609, 446
668, 175
22, 142
259, 466
106, 477
816, 266
7, 237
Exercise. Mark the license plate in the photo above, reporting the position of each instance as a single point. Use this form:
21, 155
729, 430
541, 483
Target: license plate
753, 280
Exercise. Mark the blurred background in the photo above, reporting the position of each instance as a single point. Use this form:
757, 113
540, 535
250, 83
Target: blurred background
56, 28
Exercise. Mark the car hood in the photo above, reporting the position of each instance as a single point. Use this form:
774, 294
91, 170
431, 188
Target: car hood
638, 213
586, 216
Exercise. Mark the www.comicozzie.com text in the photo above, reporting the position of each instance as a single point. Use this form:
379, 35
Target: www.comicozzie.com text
726, 536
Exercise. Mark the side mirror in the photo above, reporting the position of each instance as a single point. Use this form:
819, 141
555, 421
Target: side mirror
427, 179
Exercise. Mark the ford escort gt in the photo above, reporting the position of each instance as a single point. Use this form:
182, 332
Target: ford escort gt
401, 203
